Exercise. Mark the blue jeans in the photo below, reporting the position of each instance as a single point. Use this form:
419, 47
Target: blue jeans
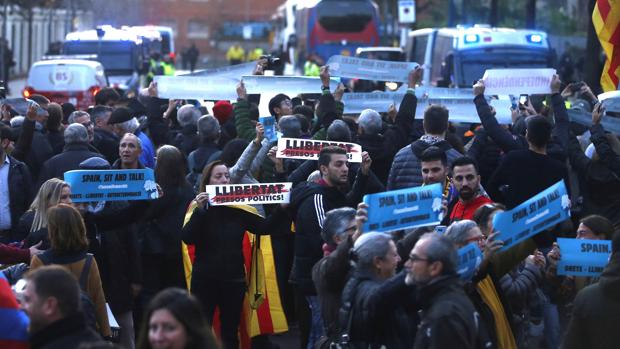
552, 324
316, 326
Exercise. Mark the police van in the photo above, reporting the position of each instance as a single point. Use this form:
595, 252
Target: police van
119, 51
456, 57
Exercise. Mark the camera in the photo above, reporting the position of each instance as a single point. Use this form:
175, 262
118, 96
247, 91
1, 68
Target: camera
272, 61
576, 87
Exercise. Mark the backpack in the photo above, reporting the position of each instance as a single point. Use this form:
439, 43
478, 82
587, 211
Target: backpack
88, 307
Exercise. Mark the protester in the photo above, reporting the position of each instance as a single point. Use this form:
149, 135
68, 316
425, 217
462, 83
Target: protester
187, 139
596, 308
33, 223
209, 132
218, 275
449, 319
174, 319
53, 127
104, 139
52, 302
75, 151
371, 316
467, 182
123, 122
69, 244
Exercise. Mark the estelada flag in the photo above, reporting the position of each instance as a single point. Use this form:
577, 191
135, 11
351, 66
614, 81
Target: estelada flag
262, 311
606, 21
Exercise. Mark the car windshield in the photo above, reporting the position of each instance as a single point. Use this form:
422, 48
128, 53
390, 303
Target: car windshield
116, 57
473, 64
344, 16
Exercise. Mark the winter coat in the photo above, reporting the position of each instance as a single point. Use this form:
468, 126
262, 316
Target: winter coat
20, 194
406, 171
69, 159
107, 143
68, 332
449, 319
596, 312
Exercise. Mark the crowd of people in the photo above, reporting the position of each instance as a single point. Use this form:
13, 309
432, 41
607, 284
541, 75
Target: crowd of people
339, 286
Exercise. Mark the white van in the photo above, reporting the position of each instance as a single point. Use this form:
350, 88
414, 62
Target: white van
456, 57
75, 81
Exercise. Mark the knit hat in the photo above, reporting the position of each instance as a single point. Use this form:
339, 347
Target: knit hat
222, 110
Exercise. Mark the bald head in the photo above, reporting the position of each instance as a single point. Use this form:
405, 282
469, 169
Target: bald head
129, 150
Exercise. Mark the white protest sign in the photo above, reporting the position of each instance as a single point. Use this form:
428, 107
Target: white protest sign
308, 149
230, 71
458, 101
518, 81
260, 84
369, 69
250, 194
196, 87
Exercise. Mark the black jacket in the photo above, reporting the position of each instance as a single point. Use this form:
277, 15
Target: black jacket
67, 333
107, 143
383, 147
596, 312
217, 233
448, 318
486, 153
69, 159
309, 203
330, 275
32, 238
187, 139
37, 152
20, 193
379, 312
118, 258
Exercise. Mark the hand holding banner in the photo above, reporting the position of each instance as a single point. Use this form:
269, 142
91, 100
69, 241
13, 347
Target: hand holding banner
583, 257
518, 81
250, 194
536, 214
404, 208
308, 149
370, 69
111, 185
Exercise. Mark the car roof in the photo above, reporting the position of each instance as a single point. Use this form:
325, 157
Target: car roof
92, 64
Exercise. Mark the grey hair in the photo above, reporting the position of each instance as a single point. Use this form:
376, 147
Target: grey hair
335, 224
368, 247
138, 140
17, 121
208, 127
370, 122
314, 176
76, 114
188, 115
458, 231
290, 126
441, 249
129, 126
339, 131
76, 133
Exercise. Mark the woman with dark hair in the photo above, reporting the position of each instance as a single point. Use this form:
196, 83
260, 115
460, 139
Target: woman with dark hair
174, 320
69, 246
217, 232
54, 129
161, 237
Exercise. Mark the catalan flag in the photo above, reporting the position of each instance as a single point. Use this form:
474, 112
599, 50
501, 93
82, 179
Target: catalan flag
606, 21
262, 311
13, 321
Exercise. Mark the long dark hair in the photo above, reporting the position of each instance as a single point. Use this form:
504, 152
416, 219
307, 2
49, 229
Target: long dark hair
170, 168
188, 311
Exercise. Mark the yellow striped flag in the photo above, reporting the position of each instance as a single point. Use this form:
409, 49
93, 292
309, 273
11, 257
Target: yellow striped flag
606, 21
260, 315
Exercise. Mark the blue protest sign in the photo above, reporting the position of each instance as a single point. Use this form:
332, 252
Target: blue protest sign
269, 122
111, 185
470, 258
403, 208
536, 214
369, 69
583, 257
